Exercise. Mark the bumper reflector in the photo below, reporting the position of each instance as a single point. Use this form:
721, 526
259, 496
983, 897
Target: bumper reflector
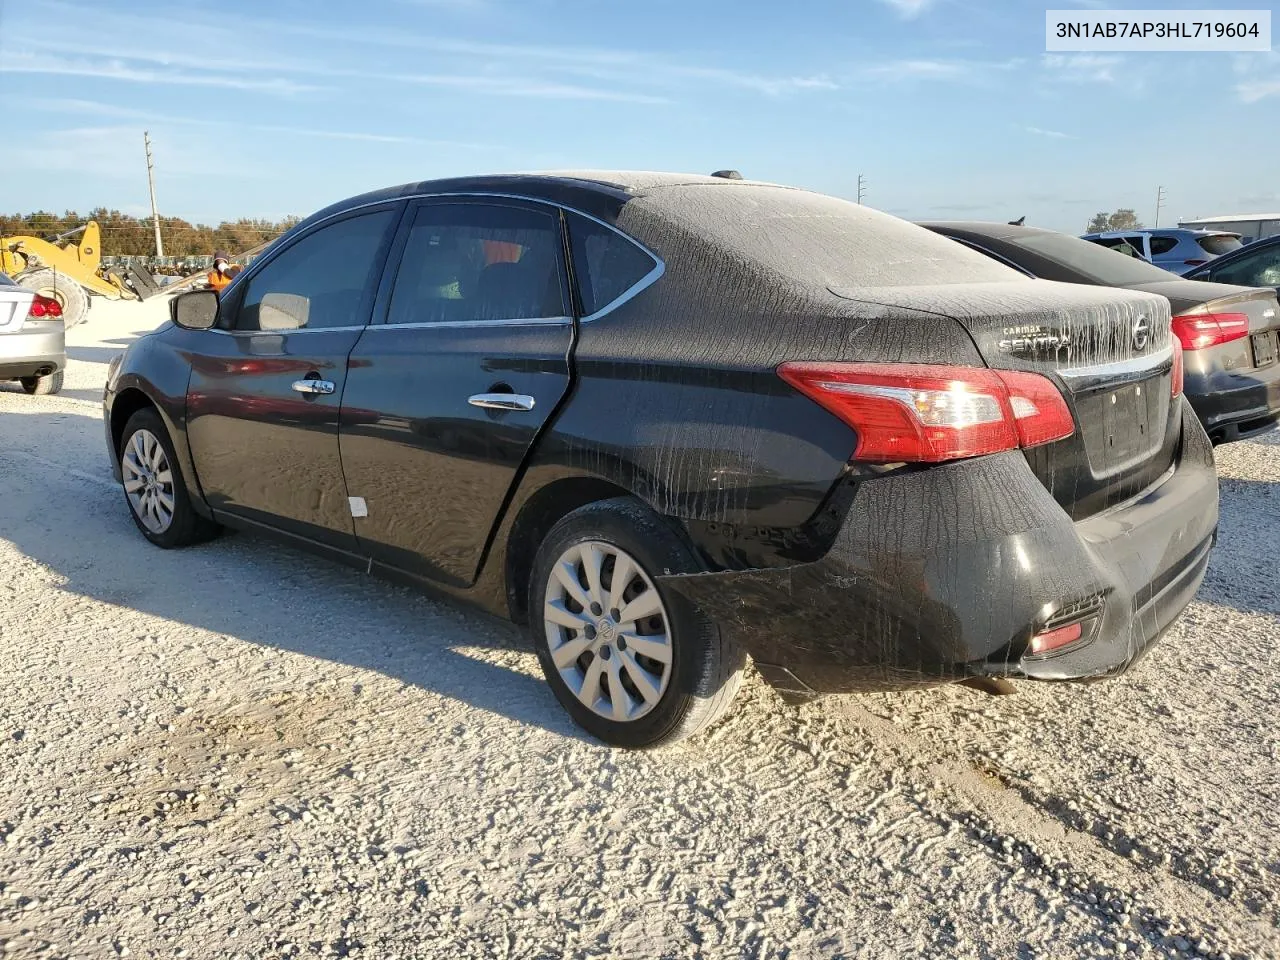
1051, 640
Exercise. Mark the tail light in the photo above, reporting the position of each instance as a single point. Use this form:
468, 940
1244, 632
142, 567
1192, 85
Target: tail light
921, 413
1198, 331
44, 308
1178, 376
1195, 263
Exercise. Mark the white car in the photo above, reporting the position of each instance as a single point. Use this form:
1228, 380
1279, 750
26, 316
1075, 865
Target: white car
32, 339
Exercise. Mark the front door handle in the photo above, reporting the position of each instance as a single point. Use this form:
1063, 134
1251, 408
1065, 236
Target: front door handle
313, 386
502, 401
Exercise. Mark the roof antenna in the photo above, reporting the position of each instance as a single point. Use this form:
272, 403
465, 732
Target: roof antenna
1019, 222
728, 175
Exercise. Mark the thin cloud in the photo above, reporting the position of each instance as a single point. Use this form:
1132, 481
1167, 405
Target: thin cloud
1251, 91
120, 70
1082, 67
1052, 134
909, 9
113, 111
925, 69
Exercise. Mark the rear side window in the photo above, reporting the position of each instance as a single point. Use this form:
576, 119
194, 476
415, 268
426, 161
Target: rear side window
476, 261
319, 282
1129, 246
605, 262
1259, 269
1216, 246
1161, 245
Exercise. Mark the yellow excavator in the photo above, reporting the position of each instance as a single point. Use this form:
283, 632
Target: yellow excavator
69, 271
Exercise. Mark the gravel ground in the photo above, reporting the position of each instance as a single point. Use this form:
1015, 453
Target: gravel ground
242, 751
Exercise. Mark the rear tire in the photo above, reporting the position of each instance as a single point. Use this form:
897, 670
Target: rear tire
642, 679
42, 386
58, 286
154, 488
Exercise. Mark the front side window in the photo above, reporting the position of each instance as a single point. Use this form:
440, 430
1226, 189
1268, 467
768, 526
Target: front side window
478, 261
605, 263
1262, 269
321, 281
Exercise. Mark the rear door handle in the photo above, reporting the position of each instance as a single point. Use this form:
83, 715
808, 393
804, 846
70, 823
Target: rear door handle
313, 386
502, 401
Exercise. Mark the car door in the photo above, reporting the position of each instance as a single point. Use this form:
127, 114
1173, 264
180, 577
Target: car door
467, 358
264, 396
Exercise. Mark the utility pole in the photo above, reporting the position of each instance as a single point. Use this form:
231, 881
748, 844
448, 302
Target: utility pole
1159, 204
151, 185
862, 188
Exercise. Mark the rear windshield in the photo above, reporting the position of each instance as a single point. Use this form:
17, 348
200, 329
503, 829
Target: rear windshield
1219, 244
1102, 265
808, 237
5, 281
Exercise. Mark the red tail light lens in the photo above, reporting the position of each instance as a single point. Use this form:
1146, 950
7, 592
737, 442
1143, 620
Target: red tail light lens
1178, 376
920, 413
1195, 263
1198, 331
44, 308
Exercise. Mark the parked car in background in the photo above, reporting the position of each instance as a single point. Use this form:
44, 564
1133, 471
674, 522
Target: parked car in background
1176, 250
1229, 333
32, 338
1257, 264
668, 421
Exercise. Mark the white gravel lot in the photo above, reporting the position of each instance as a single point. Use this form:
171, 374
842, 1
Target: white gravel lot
240, 750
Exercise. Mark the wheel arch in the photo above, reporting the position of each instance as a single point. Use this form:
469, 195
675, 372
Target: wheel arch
131, 395
539, 513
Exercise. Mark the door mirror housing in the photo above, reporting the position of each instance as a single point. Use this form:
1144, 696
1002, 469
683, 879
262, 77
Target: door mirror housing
195, 310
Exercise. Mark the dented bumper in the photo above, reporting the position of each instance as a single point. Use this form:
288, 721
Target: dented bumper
947, 573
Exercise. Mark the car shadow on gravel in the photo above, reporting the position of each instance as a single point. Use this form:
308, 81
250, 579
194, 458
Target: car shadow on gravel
95, 354
254, 590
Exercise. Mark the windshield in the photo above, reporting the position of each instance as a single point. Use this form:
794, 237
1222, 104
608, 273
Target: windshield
1103, 265
1219, 244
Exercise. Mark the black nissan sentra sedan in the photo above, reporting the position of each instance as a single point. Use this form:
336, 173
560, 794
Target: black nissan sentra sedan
670, 422
1230, 334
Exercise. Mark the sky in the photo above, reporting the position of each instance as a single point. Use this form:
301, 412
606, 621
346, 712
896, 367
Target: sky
950, 109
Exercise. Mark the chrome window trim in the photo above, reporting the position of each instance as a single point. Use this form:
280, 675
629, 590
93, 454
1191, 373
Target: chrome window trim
455, 324
278, 333
631, 292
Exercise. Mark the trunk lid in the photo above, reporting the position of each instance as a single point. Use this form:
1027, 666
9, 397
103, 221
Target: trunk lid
14, 304
1110, 353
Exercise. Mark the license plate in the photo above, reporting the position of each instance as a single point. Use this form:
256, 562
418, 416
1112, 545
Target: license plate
1264, 349
1126, 420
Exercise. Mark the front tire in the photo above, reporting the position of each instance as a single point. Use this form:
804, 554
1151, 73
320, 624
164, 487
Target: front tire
634, 665
154, 488
42, 386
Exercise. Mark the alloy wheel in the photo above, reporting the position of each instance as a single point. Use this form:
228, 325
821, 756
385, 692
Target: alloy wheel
148, 481
608, 632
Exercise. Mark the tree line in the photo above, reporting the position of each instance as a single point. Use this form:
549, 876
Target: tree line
1123, 219
124, 235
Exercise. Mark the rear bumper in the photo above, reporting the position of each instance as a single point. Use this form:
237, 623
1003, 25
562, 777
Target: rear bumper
1236, 406
37, 349
946, 573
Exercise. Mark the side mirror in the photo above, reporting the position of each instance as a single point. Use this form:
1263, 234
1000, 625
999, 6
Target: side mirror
195, 310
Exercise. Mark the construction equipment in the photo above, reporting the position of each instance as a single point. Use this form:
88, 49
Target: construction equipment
69, 272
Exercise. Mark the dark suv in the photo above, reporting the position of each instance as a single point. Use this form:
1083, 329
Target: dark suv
671, 421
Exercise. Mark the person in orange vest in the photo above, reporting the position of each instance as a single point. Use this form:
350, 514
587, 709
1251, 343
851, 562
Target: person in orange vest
223, 272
